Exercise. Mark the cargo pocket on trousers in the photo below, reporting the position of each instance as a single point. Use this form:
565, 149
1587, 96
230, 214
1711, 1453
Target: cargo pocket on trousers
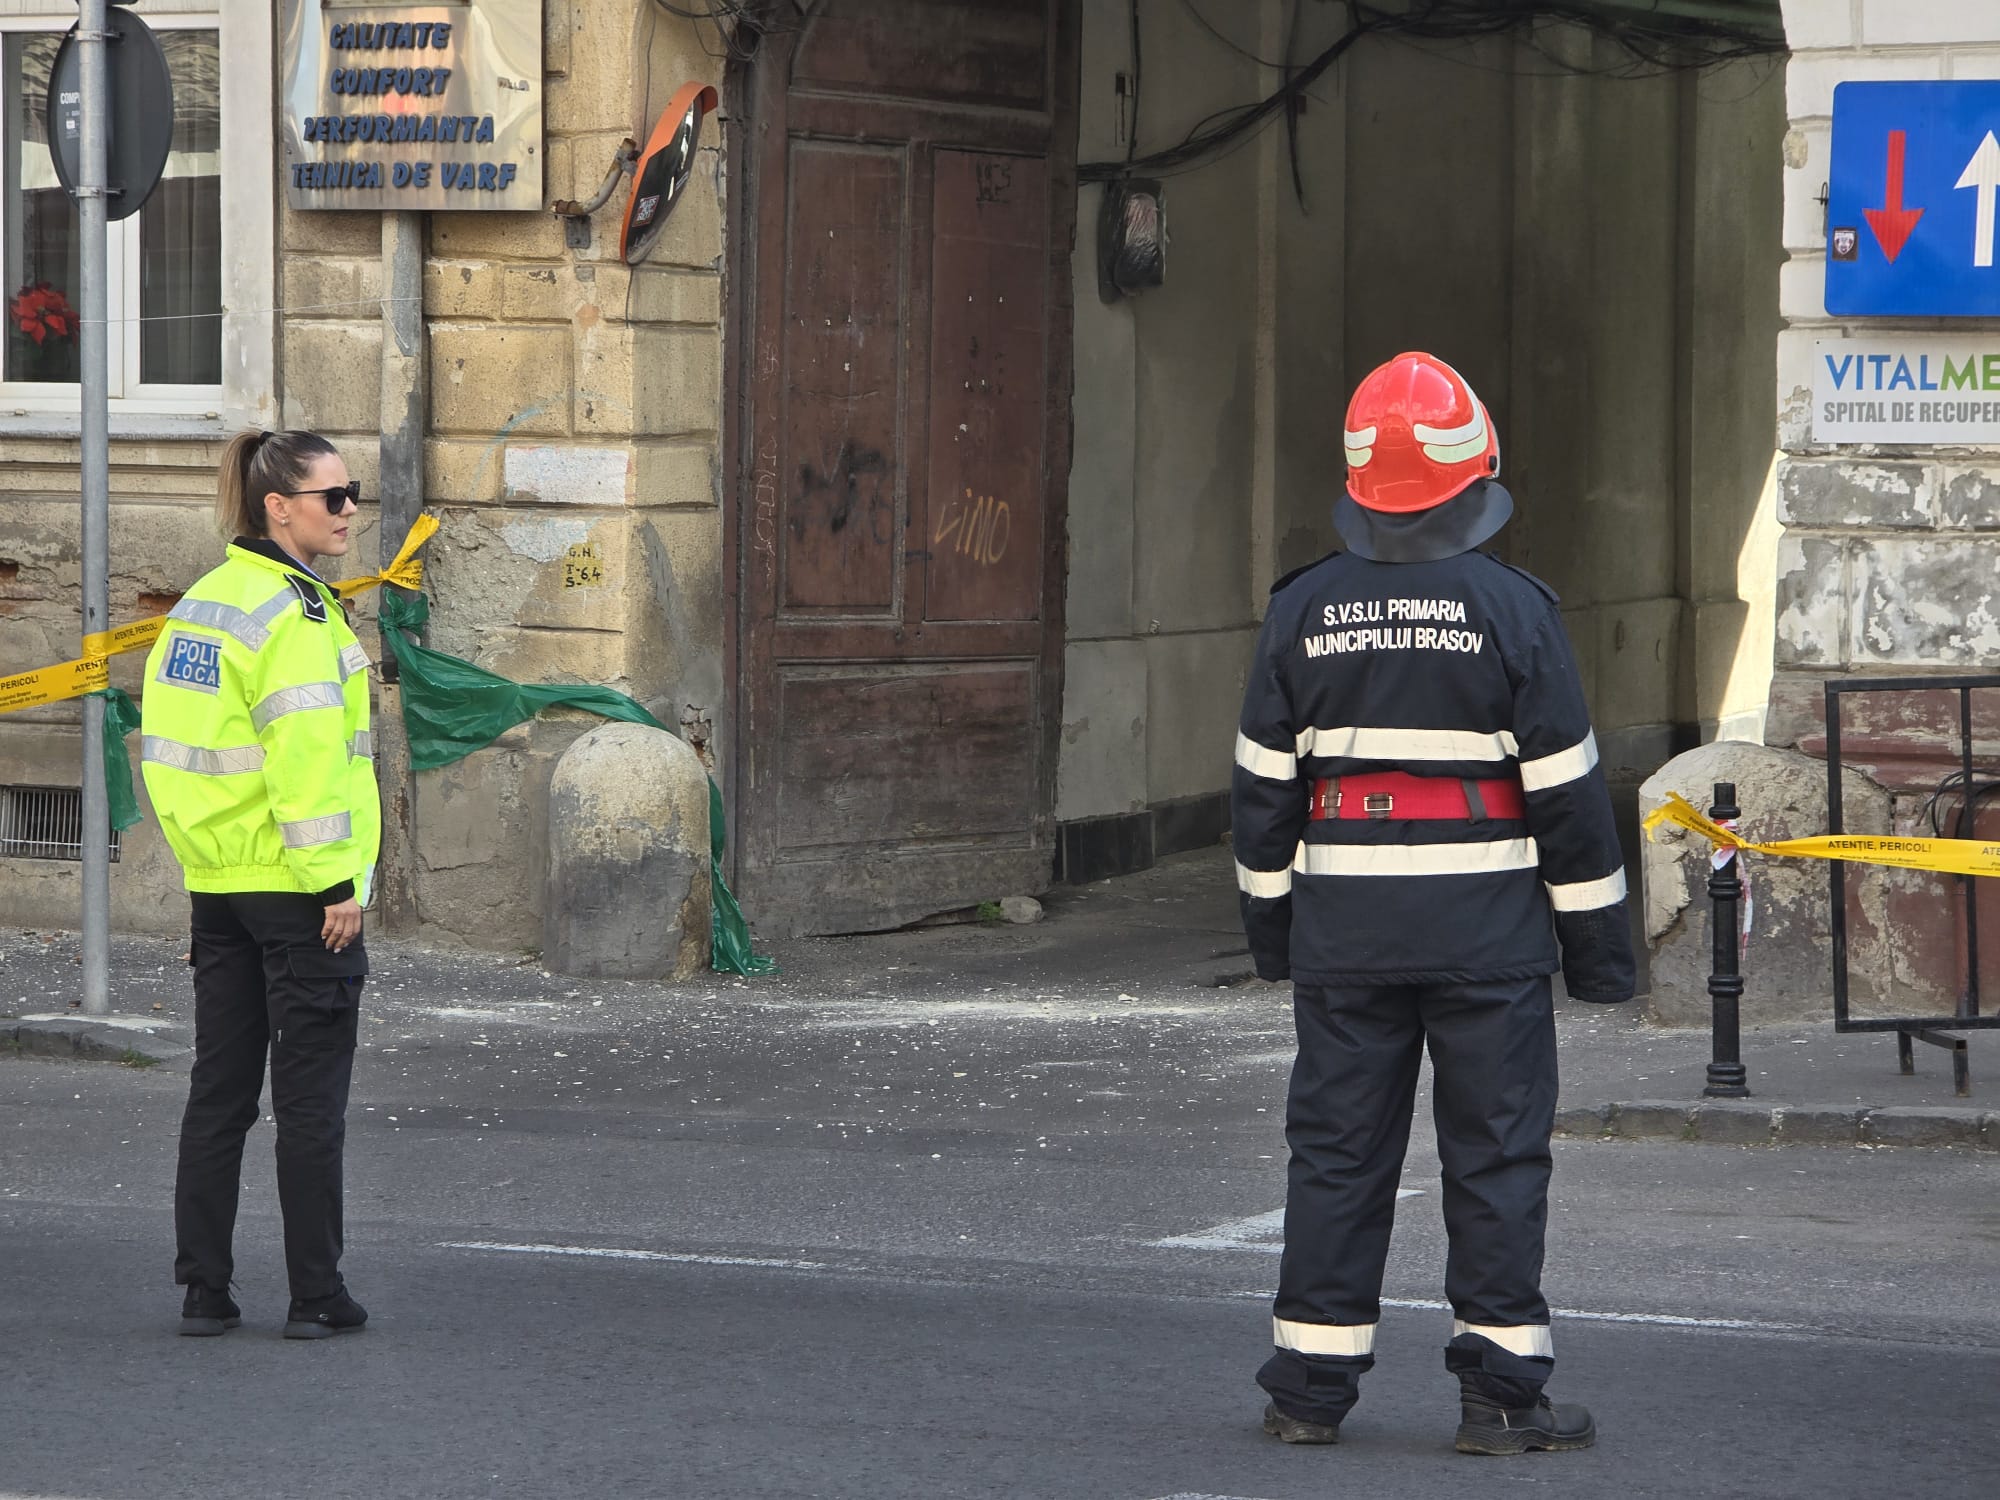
332, 979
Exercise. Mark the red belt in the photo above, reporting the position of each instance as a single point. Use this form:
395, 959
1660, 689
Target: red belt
1397, 794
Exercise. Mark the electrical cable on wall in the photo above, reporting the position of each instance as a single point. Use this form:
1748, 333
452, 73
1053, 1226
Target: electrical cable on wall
1233, 45
1983, 785
741, 24
1132, 135
1653, 41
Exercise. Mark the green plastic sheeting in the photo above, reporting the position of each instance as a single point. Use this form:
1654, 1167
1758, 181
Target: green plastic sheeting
121, 717
452, 708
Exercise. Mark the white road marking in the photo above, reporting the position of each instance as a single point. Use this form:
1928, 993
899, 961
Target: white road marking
1579, 1315
599, 1252
1264, 1232
1214, 1239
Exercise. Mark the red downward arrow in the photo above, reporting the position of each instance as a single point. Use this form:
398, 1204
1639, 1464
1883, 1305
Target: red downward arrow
1892, 222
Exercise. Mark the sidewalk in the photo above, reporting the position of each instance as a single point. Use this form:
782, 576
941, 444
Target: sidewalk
1808, 1085
1155, 950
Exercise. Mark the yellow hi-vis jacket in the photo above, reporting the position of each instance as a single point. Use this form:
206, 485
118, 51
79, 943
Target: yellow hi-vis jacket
256, 747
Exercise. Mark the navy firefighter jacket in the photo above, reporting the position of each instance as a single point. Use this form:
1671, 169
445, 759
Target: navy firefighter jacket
1457, 667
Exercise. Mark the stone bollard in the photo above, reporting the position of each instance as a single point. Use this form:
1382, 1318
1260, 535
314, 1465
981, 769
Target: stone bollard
628, 891
1783, 795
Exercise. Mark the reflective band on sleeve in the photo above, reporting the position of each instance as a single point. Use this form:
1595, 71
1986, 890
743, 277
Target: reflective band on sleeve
1274, 765
308, 832
1529, 1340
276, 605
234, 761
1324, 1338
1266, 884
361, 747
1418, 859
1545, 771
245, 628
1356, 743
292, 700
352, 659
1589, 895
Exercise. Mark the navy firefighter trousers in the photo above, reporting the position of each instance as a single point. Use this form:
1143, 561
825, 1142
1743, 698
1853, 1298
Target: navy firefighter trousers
1493, 1052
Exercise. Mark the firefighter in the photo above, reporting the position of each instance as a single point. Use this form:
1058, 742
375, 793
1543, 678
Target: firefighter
256, 756
1423, 837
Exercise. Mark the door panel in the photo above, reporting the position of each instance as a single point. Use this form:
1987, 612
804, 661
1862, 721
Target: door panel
919, 754
989, 248
976, 52
901, 349
843, 364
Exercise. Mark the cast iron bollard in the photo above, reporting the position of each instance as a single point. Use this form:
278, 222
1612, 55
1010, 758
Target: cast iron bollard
1726, 1076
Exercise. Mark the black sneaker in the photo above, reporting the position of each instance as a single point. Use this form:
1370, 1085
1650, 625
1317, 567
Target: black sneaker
1490, 1428
1292, 1429
207, 1313
323, 1317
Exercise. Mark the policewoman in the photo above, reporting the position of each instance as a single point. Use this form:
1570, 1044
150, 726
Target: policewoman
256, 757
1423, 838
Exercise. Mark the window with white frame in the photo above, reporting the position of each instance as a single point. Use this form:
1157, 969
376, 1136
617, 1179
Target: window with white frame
169, 339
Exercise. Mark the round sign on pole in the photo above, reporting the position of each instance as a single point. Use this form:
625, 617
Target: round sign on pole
140, 109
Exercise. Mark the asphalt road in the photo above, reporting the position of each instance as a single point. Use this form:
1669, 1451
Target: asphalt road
967, 1213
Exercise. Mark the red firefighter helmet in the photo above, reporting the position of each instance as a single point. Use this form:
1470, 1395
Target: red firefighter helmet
1416, 436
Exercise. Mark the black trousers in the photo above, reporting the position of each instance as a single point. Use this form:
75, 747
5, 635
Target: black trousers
264, 982
1493, 1052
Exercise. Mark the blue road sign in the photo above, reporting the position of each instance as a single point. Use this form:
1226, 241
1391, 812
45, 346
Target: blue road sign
1910, 201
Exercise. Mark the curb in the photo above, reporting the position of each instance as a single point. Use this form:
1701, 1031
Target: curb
89, 1041
1742, 1122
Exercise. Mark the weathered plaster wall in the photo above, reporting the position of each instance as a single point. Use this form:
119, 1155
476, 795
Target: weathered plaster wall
1160, 613
1599, 255
161, 539
1608, 283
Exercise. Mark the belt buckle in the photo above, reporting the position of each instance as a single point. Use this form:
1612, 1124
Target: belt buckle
1378, 804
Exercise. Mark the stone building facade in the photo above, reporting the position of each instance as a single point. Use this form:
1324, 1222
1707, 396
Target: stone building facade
1610, 281
1886, 570
574, 411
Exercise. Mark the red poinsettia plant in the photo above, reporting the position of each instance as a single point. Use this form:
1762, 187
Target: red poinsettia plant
39, 310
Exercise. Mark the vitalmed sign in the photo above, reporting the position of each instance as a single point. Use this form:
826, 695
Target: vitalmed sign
1913, 388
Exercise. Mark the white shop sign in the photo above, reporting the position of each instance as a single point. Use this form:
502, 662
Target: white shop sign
1907, 388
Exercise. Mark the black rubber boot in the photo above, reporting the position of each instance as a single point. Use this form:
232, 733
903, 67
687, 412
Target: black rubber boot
323, 1317
1310, 1393
1485, 1426
207, 1313
1293, 1430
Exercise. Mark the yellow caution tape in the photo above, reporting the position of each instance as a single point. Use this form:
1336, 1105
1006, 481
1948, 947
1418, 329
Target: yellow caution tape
1948, 856
91, 672
406, 569
70, 679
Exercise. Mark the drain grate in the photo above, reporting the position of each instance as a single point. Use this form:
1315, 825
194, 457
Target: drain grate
44, 822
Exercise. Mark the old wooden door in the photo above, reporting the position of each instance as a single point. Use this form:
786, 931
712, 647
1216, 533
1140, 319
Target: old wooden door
901, 348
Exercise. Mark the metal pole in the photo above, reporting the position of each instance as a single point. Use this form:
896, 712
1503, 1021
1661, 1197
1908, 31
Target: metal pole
405, 411
95, 133
1726, 1076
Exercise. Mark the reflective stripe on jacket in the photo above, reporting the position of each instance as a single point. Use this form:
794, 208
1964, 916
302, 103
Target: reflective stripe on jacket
255, 739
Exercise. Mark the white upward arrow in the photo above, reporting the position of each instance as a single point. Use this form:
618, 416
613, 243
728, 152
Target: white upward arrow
1983, 173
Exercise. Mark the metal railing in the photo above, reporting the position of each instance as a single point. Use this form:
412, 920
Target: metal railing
1967, 1016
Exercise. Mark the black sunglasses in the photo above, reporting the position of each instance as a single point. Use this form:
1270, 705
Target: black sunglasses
336, 496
